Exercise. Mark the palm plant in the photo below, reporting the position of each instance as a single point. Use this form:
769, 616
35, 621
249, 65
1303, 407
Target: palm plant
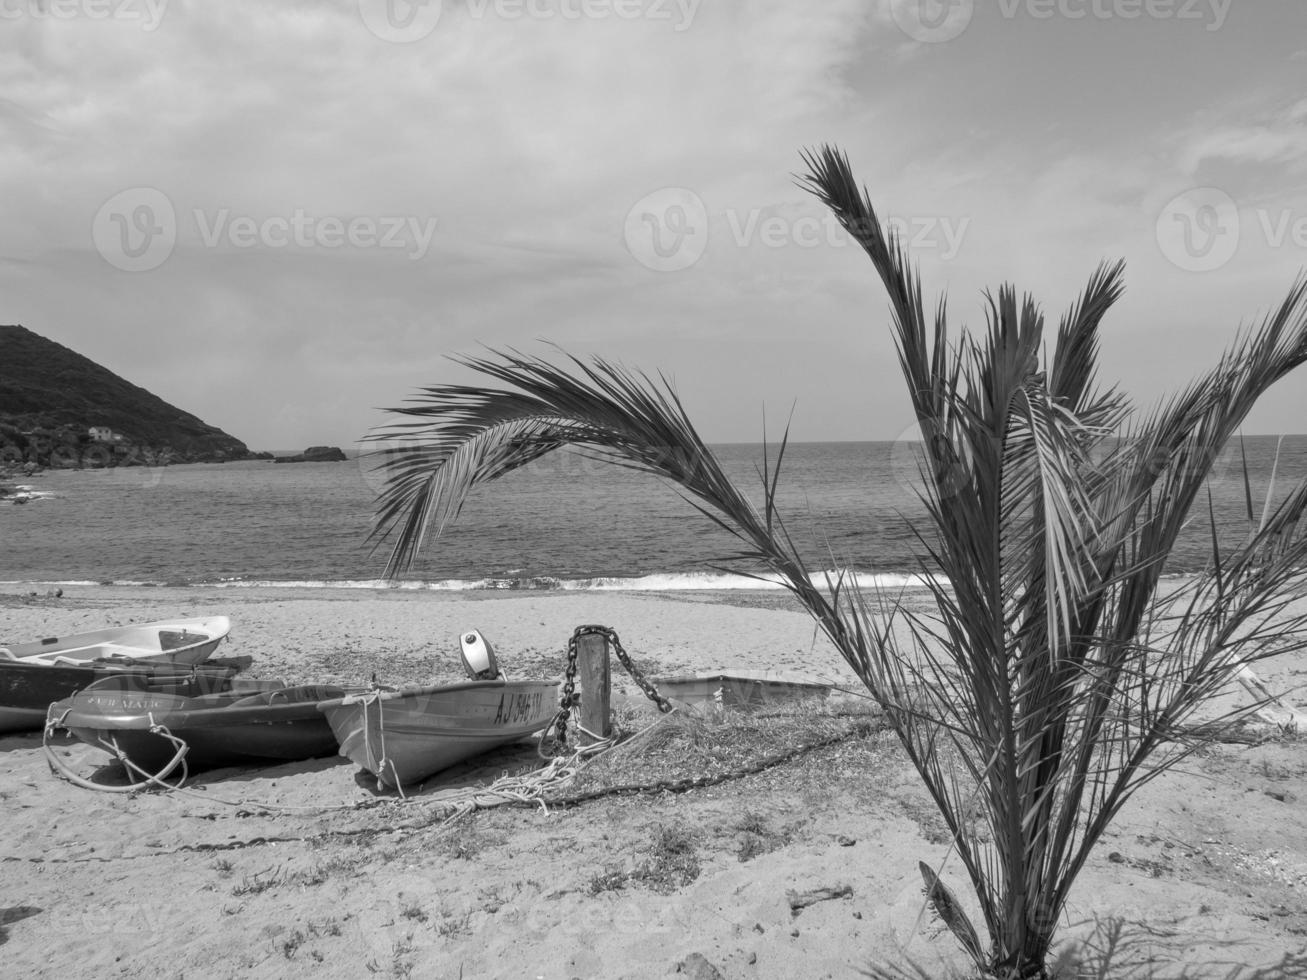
1056, 673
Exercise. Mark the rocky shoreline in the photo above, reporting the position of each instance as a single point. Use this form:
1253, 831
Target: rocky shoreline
56, 453
315, 454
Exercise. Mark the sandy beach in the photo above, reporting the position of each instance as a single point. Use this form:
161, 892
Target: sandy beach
302, 870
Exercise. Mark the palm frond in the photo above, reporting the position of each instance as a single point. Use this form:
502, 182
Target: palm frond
469, 436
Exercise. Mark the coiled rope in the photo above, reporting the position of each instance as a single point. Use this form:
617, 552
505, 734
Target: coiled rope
60, 768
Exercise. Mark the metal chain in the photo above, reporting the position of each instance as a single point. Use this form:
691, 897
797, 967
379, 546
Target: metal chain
570, 698
610, 635
699, 782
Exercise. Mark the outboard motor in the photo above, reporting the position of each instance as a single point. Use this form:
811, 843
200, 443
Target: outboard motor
478, 657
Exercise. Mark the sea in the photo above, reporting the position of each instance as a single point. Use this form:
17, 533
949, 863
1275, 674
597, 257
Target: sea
565, 522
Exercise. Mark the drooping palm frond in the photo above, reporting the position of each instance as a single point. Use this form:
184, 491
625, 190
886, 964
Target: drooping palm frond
465, 436
418, 505
1050, 680
468, 436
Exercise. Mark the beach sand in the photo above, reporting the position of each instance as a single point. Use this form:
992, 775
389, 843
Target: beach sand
301, 870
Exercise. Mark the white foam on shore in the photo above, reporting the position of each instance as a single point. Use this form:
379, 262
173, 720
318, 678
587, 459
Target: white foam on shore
66, 581
659, 582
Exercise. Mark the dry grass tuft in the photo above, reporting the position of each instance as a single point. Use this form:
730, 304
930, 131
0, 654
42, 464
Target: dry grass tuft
690, 745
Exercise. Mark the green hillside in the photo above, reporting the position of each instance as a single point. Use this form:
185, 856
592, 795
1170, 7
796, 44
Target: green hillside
51, 396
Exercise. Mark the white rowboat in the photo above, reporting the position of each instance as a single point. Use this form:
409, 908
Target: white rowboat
177, 641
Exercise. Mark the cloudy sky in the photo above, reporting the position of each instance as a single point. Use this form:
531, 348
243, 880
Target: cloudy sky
283, 216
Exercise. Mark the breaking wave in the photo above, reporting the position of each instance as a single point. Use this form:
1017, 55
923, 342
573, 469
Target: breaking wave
659, 582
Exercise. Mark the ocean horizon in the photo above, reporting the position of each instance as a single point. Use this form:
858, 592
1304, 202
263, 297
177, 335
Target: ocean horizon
565, 522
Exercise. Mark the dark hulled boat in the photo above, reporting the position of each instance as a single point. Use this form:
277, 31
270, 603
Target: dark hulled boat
251, 722
28, 689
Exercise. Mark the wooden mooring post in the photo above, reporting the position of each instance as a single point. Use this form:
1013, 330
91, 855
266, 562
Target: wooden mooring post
592, 666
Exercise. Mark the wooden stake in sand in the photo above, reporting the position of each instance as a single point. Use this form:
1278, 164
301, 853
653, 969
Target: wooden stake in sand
592, 664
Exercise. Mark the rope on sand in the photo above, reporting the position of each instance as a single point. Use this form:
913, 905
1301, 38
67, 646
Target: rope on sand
701, 782
61, 769
528, 789
521, 789
536, 789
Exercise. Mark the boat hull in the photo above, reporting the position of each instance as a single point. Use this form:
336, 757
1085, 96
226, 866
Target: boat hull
741, 688
402, 737
254, 723
27, 690
178, 641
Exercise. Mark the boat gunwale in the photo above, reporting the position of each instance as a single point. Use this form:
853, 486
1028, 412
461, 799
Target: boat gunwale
731, 679
384, 694
181, 716
507, 733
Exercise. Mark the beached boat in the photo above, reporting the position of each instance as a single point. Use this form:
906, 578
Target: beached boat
740, 687
178, 641
249, 722
28, 689
404, 736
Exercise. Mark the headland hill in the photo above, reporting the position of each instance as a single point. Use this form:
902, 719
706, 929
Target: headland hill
59, 409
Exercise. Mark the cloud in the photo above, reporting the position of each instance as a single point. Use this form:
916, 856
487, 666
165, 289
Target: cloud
1270, 143
525, 141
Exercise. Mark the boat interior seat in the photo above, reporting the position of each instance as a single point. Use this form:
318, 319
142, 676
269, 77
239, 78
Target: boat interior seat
300, 694
176, 639
72, 657
7, 654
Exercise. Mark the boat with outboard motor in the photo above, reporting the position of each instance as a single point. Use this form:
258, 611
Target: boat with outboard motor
403, 736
